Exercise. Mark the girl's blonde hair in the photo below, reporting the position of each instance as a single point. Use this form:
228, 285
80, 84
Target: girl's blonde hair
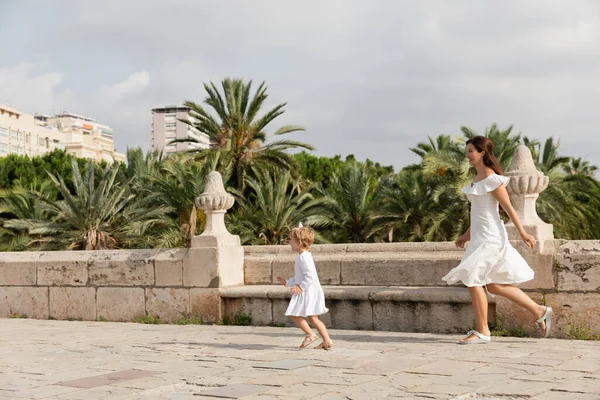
304, 235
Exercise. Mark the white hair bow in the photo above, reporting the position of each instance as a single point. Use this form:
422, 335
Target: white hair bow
300, 225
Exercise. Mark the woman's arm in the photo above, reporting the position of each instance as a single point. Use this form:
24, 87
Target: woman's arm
501, 194
464, 238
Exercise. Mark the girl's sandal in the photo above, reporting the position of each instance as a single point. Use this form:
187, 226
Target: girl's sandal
325, 346
308, 340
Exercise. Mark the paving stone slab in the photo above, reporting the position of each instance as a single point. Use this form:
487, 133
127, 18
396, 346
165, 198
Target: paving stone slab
234, 391
286, 365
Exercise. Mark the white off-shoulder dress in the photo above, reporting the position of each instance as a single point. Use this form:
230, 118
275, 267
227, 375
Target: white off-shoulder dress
489, 257
311, 301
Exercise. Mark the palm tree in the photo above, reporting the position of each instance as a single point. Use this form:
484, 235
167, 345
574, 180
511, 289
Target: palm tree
239, 131
352, 194
505, 142
20, 203
579, 166
276, 204
441, 143
548, 159
98, 215
177, 183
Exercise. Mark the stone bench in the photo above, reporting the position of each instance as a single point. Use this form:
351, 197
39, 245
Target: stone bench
386, 308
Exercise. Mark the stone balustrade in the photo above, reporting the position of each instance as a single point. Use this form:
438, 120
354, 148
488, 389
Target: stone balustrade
364, 283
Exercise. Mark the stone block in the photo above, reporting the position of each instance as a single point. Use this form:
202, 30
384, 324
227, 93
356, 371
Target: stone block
396, 247
207, 304
421, 316
328, 268
169, 304
283, 266
200, 268
18, 268
258, 308
73, 303
541, 263
168, 267
63, 268
350, 314
29, 301
397, 268
279, 308
266, 249
231, 266
574, 313
120, 304
578, 266
122, 268
257, 269
336, 248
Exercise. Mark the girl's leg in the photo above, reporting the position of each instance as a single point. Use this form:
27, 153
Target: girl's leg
480, 307
302, 324
517, 296
320, 326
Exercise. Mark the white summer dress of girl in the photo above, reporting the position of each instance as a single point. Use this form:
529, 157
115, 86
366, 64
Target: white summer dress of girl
311, 301
489, 257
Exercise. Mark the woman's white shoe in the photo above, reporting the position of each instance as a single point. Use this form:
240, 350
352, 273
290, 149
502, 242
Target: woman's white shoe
547, 319
481, 339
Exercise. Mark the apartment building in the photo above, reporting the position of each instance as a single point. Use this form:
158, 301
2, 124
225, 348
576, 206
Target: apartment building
34, 135
86, 138
167, 126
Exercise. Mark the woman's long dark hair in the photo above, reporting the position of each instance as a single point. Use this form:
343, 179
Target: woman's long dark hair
481, 143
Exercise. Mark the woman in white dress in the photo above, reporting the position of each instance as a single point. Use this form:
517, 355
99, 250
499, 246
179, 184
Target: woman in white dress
490, 260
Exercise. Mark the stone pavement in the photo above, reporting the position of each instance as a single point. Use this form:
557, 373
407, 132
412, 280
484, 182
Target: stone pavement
44, 359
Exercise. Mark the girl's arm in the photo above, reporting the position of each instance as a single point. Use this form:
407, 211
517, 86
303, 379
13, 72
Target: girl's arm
307, 275
501, 194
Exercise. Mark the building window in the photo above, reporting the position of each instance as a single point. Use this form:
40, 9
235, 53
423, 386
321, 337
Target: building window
3, 131
14, 134
42, 142
170, 126
3, 149
14, 149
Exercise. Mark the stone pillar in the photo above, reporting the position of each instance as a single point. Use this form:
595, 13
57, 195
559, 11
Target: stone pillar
216, 258
526, 183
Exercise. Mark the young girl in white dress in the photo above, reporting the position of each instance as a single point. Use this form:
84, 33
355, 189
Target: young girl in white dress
490, 260
308, 299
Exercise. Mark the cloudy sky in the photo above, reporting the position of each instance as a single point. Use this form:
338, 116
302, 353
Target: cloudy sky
371, 78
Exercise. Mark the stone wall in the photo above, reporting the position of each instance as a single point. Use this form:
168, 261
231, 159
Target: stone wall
364, 284
575, 297
110, 285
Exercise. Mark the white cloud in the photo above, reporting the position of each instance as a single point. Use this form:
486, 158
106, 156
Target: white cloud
24, 86
135, 84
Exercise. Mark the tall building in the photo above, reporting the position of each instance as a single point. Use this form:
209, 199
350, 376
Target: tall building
34, 135
167, 126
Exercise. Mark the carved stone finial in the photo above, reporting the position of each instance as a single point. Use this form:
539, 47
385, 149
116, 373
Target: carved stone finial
214, 198
526, 183
215, 202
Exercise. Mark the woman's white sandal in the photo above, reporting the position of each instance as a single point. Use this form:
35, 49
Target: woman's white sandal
481, 339
547, 319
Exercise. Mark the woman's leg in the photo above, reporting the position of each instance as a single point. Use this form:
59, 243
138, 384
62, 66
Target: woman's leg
517, 296
480, 307
320, 326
